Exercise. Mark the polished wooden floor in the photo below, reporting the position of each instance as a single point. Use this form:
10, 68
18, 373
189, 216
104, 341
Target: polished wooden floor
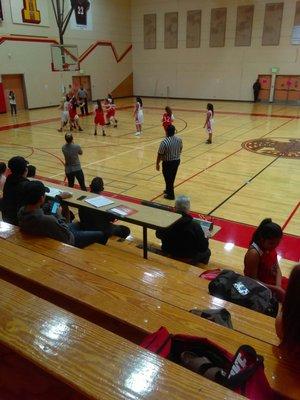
223, 178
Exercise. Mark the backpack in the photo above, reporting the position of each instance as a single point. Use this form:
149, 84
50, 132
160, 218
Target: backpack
244, 371
244, 291
219, 316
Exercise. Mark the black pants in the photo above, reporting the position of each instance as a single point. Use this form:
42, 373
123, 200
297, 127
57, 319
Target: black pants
86, 109
80, 178
255, 94
169, 170
13, 109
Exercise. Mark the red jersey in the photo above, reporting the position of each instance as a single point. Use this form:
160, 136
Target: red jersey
111, 110
72, 111
99, 116
167, 120
268, 264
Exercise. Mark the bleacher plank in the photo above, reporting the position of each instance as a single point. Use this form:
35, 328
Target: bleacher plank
139, 310
183, 290
95, 362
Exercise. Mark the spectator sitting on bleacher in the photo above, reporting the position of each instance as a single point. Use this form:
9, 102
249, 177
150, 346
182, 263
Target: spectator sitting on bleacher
2, 175
185, 238
13, 191
33, 220
288, 319
31, 171
92, 219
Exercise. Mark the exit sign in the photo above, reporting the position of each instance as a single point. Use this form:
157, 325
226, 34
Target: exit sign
274, 70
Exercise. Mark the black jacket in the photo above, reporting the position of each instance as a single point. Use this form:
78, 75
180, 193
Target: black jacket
185, 238
13, 194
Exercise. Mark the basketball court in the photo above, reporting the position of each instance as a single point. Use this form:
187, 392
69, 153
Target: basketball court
249, 172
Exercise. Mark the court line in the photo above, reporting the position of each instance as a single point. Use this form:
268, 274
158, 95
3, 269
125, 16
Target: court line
290, 216
245, 184
219, 161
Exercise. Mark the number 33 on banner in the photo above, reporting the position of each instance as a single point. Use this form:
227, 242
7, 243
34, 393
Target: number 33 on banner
30, 13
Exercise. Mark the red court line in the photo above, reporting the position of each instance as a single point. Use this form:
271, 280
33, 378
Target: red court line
231, 231
200, 172
291, 216
231, 113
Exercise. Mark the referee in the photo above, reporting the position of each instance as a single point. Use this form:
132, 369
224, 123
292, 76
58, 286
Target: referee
169, 153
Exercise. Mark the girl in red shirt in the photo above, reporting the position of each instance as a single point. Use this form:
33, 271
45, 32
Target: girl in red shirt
261, 262
74, 118
111, 111
99, 118
167, 118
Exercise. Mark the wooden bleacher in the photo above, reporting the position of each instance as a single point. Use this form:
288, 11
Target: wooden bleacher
183, 289
139, 310
92, 361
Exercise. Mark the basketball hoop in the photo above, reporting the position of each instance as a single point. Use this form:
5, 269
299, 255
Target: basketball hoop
64, 58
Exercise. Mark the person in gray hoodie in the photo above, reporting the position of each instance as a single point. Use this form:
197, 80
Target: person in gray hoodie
34, 221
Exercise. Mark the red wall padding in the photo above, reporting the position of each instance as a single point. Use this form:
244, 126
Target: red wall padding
2, 99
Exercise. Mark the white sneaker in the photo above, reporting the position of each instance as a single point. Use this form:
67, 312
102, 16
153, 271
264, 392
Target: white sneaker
137, 133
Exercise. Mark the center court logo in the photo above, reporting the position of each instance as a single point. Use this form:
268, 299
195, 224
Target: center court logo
275, 147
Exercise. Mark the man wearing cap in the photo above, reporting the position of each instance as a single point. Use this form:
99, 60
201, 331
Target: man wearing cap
33, 220
13, 191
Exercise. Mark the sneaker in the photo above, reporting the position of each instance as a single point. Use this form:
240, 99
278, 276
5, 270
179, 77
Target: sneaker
59, 130
137, 133
115, 126
208, 141
80, 129
95, 133
167, 197
103, 133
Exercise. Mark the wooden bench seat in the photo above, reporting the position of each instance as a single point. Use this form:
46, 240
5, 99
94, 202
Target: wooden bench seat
93, 361
183, 290
138, 310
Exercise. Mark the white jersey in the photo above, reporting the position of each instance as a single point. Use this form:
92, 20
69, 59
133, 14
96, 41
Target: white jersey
139, 116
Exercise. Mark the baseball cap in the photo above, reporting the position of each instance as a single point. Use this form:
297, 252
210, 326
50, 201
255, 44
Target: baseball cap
17, 165
34, 190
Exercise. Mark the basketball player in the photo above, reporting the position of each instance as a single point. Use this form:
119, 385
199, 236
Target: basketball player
138, 116
168, 118
64, 107
111, 111
209, 122
74, 118
80, 8
99, 118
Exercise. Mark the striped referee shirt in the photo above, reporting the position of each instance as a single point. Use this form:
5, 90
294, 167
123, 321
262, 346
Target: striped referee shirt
170, 148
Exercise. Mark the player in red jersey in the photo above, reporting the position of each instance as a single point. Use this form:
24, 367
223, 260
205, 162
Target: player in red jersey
111, 111
167, 118
99, 118
261, 258
74, 118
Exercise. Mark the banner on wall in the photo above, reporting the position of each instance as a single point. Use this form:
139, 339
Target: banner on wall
1, 12
30, 12
82, 15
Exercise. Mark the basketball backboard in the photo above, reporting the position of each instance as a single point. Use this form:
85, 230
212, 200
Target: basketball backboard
64, 58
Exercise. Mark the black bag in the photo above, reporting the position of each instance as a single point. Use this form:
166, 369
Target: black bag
219, 315
244, 291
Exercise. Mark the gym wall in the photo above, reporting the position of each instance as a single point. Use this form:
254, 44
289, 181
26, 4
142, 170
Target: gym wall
111, 22
210, 72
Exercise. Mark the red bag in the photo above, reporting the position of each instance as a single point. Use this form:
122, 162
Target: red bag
210, 274
244, 371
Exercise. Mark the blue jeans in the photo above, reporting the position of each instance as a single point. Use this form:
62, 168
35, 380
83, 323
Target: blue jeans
85, 238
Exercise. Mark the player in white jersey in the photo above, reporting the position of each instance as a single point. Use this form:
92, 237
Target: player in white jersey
209, 122
64, 107
138, 116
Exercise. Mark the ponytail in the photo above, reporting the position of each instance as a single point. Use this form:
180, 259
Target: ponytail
267, 229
